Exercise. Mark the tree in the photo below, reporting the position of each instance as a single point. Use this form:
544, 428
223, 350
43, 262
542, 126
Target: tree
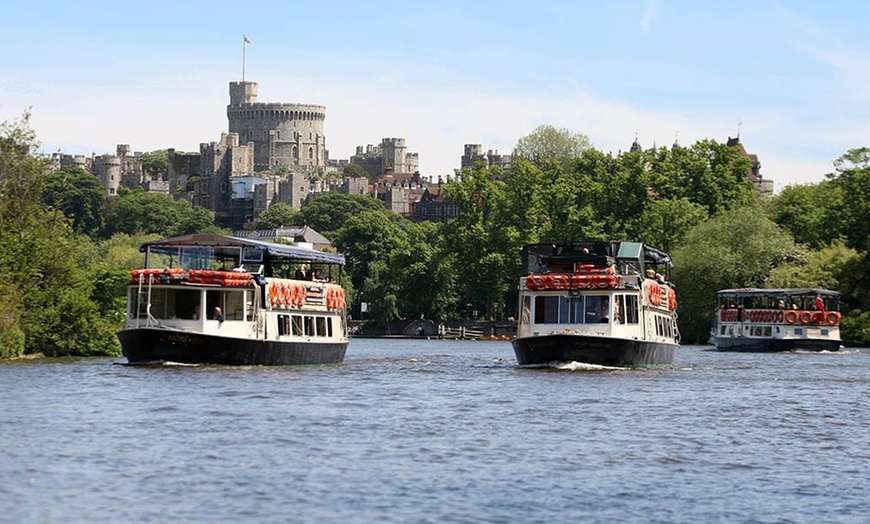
808, 212
482, 240
738, 248
80, 196
45, 289
853, 178
548, 143
369, 241
278, 215
354, 171
156, 163
137, 211
665, 223
329, 212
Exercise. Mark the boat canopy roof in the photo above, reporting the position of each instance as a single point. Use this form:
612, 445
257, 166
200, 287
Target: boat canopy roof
777, 292
243, 250
555, 254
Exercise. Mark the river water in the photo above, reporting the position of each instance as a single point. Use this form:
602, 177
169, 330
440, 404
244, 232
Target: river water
438, 431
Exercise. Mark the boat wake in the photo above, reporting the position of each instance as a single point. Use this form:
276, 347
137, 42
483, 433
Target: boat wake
572, 366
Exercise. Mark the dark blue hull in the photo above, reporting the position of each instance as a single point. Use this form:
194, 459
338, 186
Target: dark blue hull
146, 345
602, 351
774, 345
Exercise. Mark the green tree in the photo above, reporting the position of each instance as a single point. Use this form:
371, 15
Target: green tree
738, 248
80, 196
482, 241
50, 310
137, 211
853, 178
354, 171
807, 212
329, 212
547, 142
665, 223
369, 241
156, 163
278, 215
426, 273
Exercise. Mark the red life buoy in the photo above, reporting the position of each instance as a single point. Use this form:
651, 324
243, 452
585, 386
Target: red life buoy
791, 316
805, 317
274, 294
833, 317
778, 317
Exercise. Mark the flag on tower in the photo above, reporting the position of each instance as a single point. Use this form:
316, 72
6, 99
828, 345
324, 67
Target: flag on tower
246, 39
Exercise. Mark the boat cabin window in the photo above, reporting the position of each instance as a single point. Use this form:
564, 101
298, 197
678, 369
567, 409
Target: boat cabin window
625, 309
297, 325
166, 303
588, 309
526, 312
234, 304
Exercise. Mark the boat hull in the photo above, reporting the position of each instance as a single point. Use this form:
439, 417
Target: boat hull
146, 345
774, 345
602, 351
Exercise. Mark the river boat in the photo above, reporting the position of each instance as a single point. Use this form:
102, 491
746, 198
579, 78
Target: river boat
600, 303
774, 320
215, 299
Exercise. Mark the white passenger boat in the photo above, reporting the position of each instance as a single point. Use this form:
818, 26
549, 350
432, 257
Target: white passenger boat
769, 320
213, 299
602, 303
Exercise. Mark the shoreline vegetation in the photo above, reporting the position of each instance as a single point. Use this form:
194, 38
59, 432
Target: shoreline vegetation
66, 251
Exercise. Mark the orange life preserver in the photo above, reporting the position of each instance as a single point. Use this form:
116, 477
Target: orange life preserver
655, 294
805, 317
340, 295
833, 317
301, 295
274, 293
331, 298
286, 294
791, 316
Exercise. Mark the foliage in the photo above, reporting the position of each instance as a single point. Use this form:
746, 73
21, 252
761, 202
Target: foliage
278, 215
549, 143
853, 178
155, 164
49, 291
354, 171
80, 196
137, 211
738, 248
809, 213
328, 213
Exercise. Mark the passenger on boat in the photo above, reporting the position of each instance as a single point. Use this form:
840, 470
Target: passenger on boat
315, 275
196, 312
781, 304
218, 314
302, 273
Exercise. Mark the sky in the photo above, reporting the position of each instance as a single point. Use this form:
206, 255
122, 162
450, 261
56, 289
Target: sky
791, 77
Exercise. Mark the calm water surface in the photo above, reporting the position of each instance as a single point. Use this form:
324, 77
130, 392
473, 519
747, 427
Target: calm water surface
438, 431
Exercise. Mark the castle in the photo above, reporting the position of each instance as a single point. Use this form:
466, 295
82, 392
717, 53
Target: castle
276, 152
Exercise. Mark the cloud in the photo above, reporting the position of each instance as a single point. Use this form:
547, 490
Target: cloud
649, 15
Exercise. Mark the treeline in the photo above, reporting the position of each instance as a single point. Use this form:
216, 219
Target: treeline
66, 255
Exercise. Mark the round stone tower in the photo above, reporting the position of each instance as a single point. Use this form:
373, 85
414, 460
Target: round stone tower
108, 168
289, 135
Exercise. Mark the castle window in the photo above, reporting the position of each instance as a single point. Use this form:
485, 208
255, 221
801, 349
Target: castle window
310, 153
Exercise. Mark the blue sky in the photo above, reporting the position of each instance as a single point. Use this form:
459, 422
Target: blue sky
791, 76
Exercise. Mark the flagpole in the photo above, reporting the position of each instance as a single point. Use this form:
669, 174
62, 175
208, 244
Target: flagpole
244, 48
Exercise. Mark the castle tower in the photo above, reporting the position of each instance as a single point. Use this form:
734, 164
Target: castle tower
283, 135
108, 168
